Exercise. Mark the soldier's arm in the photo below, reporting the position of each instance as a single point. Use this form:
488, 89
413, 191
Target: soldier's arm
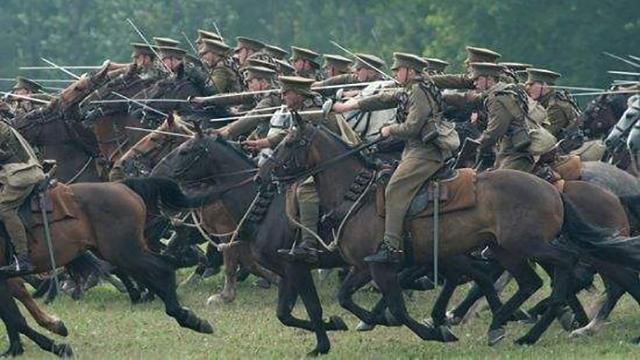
385, 100
248, 123
237, 99
221, 79
498, 122
453, 81
557, 120
417, 116
275, 138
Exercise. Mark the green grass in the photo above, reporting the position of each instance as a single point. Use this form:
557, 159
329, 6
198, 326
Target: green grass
104, 325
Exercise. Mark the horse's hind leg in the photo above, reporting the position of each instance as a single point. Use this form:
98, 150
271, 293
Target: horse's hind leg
613, 293
43, 319
158, 276
231, 262
385, 276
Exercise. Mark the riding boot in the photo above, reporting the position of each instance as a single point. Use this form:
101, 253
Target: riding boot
387, 253
307, 249
20, 263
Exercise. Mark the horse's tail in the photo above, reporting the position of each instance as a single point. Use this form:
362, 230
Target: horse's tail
156, 190
578, 230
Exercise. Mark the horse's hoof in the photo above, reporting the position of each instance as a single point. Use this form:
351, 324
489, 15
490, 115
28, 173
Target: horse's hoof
262, 283
317, 352
363, 326
337, 324
147, 296
494, 336
447, 334
567, 320
218, 299
452, 319
59, 328
204, 327
525, 340
14, 350
582, 332
63, 350
391, 320
210, 271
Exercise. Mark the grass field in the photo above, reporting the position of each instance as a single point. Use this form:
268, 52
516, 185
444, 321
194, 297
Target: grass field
104, 325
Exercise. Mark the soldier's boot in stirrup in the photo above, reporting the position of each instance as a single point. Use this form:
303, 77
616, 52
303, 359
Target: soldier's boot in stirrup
20, 264
386, 253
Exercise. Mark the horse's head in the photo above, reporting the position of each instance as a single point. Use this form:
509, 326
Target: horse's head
626, 121
73, 94
32, 125
602, 113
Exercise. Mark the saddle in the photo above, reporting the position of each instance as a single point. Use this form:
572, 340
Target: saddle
457, 192
563, 168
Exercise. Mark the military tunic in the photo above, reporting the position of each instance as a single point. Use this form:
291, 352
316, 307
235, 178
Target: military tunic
257, 126
225, 79
419, 160
505, 116
561, 113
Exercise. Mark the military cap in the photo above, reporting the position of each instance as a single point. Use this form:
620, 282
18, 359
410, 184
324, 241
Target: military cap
142, 49
296, 84
204, 34
167, 42
515, 66
166, 51
485, 69
248, 43
481, 55
410, 61
214, 46
339, 62
259, 72
27, 84
261, 63
436, 65
284, 68
371, 60
276, 52
306, 54
542, 75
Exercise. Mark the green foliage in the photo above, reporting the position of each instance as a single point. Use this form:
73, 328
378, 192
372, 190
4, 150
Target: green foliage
567, 36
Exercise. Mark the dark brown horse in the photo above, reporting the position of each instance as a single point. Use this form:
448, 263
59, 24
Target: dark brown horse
517, 216
100, 206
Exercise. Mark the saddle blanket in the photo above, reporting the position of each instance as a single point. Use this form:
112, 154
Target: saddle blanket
61, 204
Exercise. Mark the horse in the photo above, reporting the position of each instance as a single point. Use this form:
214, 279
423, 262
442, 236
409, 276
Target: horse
514, 234
99, 206
216, 164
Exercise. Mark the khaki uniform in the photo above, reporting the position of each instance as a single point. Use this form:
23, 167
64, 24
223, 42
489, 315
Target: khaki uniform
504, 116
258, 127
561, 113
419, 161
20, 171
224, 79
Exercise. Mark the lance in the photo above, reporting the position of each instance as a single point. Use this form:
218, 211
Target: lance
257, 116
61, 68
626, 73
139, 101
634, 57
190, 43
621, 59
625, 82
215, 26
607, 92
385, 75
145, 106
575, 88
47, 234
23, 97
73, 67
155, 131
42, 80
148, 44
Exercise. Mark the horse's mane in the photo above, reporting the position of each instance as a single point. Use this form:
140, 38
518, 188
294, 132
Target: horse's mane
347, 147
618, 103
232, 147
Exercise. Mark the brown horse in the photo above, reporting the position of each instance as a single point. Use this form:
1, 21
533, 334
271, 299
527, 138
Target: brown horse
99, 206
517, 215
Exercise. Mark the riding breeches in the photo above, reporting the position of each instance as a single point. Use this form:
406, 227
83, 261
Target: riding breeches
309, 207
403, 186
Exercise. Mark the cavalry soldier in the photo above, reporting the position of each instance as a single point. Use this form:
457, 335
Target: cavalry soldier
562, 112
305, 62
464, 81
253, 62
143, 58
435, 66
276, 52
223, 76
203, 35
506, 106
20, 171
165, 41
258, 79
284, 68
172, 57
366, 68
247, 48
420, 104
26, 87
335, 65
512, 69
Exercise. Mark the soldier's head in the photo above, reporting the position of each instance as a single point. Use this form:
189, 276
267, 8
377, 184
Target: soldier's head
540, 82
435, 66
480, 55
276, 52
171, 56
304, 60
407, 67
335, 65
259, 77
204, 34
246, 47
365, 67
484, 74
295, 90
142, 54
26, 86
212, 51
